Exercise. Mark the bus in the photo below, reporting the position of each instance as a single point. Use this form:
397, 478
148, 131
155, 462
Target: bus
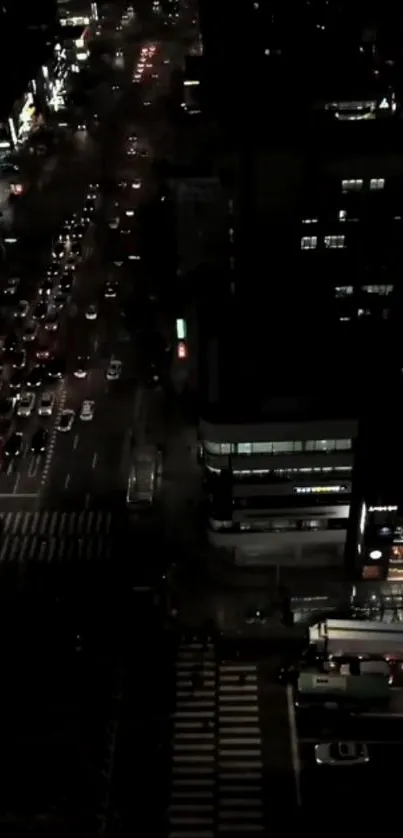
144, 477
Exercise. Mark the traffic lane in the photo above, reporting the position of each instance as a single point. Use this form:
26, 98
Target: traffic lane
364, 727
350, 786
279, 777
87, 459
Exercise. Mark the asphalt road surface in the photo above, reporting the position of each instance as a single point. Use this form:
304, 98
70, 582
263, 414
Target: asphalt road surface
88, 466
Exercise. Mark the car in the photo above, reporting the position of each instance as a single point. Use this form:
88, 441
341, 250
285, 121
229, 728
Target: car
52, 271
92, 312
93, 189
11, 286
66, 281
10, 342
81, 368
72, 260
19, 359
115, 87
136, 184
66, 420
45, 288
30, 332
26, 404
35, 376
39, 441
14, 446
114, 370
87, 410
58, 250
51, 323
75, 251
17, 380
79, 231
113, 222
341, 753
54, 369
81, 126
40, 311
44, 348
134, 257
21, 309
60, 299
46, 404
111, 289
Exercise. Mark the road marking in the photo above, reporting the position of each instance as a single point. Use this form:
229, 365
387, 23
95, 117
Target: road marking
16, 484
33, 467
19, 494
67, 481
75, 442
87, 500
296, 764
53, 435
95, 460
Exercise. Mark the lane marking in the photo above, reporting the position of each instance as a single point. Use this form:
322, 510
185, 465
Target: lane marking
67, 481
19, 494
296, 763
95, 460
76, 441
16, 484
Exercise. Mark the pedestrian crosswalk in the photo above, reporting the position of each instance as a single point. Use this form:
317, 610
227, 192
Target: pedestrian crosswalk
55, 523
53, 537
217, 767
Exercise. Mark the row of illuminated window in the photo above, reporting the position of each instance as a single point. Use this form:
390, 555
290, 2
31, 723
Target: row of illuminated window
356, 184
330, 242
323, 446
279, 525
348, 290
342, 216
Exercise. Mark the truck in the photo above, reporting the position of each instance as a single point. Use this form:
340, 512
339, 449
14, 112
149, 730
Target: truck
335, 691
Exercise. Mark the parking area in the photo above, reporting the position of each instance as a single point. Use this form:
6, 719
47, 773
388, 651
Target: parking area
322, 775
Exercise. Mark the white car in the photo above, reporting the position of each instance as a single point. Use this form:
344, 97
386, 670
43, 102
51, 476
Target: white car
66, 421
91, 313
341, 753
136, 184
26, 404
46, 404
113, 222
87, 410
114, 370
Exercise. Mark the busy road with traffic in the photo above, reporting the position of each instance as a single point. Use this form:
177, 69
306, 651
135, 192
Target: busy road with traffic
71, 365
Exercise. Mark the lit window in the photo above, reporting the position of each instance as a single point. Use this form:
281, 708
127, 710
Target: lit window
244, 448
335, 242
309, 242
343, 290
309, 220
352, 185
217, 447
326, 446
383, 290
377, 183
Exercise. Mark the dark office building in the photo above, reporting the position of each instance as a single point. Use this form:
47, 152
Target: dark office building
304, 345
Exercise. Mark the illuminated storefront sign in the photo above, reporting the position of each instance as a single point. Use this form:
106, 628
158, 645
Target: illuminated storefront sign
75, 21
